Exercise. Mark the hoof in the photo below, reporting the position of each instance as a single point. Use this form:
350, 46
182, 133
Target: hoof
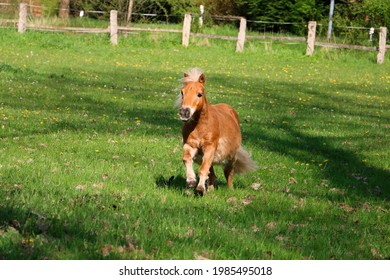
191, 184
200, 190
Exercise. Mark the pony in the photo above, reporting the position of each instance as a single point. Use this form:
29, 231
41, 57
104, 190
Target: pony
211, 135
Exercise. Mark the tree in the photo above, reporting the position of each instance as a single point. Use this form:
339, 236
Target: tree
373, 13
380, 12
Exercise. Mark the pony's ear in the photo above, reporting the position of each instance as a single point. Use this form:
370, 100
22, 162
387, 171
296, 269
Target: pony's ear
202, 79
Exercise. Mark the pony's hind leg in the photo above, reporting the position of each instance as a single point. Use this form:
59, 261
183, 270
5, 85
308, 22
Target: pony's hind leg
229, 172
212, 178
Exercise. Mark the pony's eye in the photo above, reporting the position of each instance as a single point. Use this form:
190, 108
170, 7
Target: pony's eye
199, 94
181, 92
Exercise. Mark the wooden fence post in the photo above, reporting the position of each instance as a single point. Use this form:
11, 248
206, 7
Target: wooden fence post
22, 17
382, 45
241, 35
311, 37
114, 27
186, 30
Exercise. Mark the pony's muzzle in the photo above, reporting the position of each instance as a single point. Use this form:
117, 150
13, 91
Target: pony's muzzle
185, 113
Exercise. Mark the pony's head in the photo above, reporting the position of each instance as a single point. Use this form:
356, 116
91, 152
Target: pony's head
192, 96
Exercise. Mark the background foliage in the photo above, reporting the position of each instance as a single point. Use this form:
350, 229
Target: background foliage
363, 13
351, 12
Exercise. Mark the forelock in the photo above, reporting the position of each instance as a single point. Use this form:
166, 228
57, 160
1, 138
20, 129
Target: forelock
192, 75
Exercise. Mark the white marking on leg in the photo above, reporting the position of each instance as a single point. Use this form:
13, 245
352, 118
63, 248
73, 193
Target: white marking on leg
189, 153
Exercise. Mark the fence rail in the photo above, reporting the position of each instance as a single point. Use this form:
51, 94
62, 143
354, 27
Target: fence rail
240, 39
149, 29
8, 21
346, 46
66, 29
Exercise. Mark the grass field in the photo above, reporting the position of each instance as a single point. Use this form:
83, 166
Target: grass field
90, 151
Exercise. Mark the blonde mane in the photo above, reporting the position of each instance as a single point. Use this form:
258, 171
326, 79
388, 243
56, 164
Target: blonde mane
192, 75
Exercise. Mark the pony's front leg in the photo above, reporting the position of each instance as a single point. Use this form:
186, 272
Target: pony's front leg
204, 170
188, 156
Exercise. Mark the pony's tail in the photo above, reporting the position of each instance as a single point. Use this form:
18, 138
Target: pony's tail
244, 162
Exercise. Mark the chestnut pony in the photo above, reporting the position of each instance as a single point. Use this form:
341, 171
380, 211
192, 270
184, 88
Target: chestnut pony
211, 135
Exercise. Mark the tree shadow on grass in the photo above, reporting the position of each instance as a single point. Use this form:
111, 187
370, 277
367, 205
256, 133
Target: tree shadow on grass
28, 235
343, 168
85, 105
332, 116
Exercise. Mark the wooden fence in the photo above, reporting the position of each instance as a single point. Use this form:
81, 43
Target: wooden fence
311, 42
113, 29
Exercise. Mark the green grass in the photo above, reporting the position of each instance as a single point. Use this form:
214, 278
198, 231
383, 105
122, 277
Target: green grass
90, 151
